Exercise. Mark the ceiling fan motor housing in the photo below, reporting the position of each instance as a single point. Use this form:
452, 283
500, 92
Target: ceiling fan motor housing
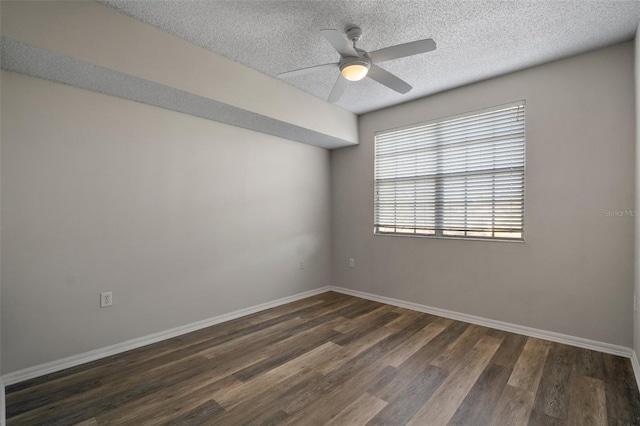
355, 68
362, 59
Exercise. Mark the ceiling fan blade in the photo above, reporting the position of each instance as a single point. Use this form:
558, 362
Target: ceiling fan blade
391, 81
340, 42
307, 70
402, 50
338, 89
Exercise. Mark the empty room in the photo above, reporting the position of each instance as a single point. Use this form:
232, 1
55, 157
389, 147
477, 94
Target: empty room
269, 212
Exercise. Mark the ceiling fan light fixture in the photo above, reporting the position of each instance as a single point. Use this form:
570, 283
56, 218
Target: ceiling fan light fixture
355, 71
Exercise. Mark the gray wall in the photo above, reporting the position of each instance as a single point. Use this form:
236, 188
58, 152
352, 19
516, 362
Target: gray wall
2, 399
182, 218
636, 291
574, 272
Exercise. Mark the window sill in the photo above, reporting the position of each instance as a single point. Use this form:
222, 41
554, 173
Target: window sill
438, 237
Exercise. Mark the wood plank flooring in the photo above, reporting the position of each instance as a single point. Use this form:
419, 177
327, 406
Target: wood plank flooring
339, 360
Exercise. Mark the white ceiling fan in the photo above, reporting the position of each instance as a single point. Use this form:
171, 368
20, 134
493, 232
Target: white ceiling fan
356, 64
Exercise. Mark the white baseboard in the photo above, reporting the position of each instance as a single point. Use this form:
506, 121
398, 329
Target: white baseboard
72, 361
500, 325
636, 368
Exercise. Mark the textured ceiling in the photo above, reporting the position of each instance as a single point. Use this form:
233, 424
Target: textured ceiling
476, 39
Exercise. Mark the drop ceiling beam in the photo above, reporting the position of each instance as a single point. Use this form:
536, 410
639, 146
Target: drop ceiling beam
112, 49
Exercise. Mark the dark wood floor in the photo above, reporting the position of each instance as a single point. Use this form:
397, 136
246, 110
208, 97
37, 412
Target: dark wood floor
336, 359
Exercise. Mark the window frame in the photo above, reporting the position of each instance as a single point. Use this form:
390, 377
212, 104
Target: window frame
438, 233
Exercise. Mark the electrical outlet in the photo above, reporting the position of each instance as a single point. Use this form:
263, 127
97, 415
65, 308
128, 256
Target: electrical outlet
106, 299
352, 262
302, 264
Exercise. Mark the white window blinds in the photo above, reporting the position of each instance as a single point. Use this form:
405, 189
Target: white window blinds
458, 177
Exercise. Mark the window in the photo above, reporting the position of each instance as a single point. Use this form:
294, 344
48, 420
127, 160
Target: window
460, 177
